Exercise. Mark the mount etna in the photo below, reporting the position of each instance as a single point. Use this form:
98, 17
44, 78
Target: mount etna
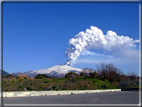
58, 71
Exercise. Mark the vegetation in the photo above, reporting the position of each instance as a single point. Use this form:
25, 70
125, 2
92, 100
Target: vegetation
40, 76
106, 76
71, 74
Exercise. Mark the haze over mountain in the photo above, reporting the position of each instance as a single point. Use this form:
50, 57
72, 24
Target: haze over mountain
58, 71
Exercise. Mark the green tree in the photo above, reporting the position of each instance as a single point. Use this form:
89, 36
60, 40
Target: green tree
93, 74
40, 76
85, 73
8, 76
71, 74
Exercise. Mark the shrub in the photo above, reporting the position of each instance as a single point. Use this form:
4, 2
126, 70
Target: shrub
94, 82
109, 72
9, 76
84, 73
29, 88
129, 83
40, 76
46, 81
55, 87
25, 78
104, 86
93, 74
71, 74
20, 79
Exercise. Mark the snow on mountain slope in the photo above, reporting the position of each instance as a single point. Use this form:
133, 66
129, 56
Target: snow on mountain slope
58, 70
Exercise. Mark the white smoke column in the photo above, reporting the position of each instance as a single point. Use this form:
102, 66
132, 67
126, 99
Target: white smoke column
94, 38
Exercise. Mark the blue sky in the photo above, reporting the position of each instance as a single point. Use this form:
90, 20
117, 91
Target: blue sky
36, 35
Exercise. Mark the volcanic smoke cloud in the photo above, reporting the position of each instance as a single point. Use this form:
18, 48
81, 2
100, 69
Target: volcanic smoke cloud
94, 38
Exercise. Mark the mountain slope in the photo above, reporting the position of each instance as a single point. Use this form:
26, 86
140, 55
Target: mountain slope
58, 70
5, 73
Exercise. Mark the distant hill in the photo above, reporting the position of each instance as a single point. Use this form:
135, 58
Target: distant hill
5, 73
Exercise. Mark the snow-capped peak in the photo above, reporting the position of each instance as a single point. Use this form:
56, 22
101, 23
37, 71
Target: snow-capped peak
57, 70
60, 69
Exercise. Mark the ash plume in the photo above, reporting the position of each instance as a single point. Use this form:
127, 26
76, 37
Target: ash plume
93, 38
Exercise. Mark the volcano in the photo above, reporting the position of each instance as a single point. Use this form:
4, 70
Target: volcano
58, 71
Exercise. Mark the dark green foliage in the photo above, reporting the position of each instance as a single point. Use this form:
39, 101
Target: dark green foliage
56, 87
93, 74
94, 82
46, 81
29, 88
40, 76
73, 80
71, 74
17, 77
8, 76
82, 74
104, 86
129, 83
20, 86
13, 81
25, 78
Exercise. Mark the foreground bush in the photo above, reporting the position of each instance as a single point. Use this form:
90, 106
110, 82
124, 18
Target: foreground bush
71, 74
40, 76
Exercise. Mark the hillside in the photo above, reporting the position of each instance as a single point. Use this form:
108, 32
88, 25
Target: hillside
17, 84
58, 71
4, 73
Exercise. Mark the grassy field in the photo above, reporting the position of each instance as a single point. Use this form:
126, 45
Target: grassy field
19, 84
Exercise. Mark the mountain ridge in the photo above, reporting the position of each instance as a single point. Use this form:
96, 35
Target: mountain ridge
4, 73
57, 70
